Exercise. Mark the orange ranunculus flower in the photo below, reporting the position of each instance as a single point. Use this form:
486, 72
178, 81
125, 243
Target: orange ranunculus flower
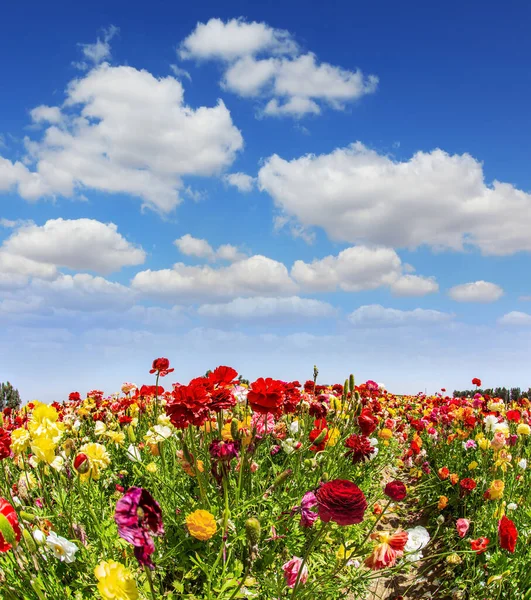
391, 546
385, 434
201, 524
454, 478
444, 472
443, 502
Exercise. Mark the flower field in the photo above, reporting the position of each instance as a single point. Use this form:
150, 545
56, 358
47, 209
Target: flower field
222, 489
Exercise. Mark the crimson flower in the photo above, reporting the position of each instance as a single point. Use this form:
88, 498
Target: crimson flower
74, 396
476, 382
138, 516
266, 396
467, 485
395, 490
513, 415
189, 404
222, 376
480, 545
8, 512
359, 448
5, 444
367, 422
161, 366
507, 534
341, 501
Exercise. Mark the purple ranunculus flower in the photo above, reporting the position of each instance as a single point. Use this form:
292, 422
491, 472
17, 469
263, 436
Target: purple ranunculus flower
138, 516
308, 516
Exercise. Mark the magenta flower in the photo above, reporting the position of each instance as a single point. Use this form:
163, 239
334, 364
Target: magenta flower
291, 570
138, 516
308, 516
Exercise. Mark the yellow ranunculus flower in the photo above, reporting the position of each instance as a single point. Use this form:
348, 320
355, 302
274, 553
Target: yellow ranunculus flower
523, 429
98, 459
333, 436
483, 443
496, 489
117, 437
20, 440
115, 582
151, 467
473, 465
44, 449
201, 524
385, 434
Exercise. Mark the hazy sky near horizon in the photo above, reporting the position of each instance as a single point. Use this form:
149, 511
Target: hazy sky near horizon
268, 187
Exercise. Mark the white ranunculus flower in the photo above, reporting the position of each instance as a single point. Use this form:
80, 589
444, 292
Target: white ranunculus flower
58, 463
490, 421
133, 453
417, 539
512, 506
39, 537
503, 427
294, 427
62, 549
100, 428
523, 464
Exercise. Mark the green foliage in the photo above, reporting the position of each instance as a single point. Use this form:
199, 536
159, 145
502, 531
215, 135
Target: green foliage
9, 397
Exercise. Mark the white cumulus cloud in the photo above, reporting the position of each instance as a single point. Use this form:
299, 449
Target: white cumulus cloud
79, 244
476, 291
259, 60
249, 309
200, 248
517, 318
376, 316
241, 181
360, 196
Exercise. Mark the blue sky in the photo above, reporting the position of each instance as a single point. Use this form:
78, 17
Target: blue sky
268, 187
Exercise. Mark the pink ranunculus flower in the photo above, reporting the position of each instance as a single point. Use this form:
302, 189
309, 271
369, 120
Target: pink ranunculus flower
291, 570
308, 516
462, 526
262, 425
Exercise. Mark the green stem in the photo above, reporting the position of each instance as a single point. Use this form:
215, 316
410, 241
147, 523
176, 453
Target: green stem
306, 555
150, 581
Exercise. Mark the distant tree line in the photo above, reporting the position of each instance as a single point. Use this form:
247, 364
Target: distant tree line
9, 396
508, 394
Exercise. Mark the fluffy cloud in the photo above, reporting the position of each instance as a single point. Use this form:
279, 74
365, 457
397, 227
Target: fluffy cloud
79, 244
295, 82
254, 276
359, 196
21, 267
99, 51
376, 316
477, 291
191, 246
241, 181
516, 318
249, 309
361, 268
123, 130
233, 39
46, 114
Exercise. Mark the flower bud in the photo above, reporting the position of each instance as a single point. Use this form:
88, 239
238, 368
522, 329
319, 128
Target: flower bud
29, 540
252, 531
131, 434
27, 516
81, 463
351, 383
321, 437
234, 429
7, 531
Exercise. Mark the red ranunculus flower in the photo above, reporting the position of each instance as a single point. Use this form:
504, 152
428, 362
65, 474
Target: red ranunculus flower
9, 513
513, 415
467, 485
74, 396
189, 404
266, 396
367, 422
480, 545
507, 534
341, 501
359, 447
5, 444
314, 435
222, 376
476, 382
161, 366
395, 490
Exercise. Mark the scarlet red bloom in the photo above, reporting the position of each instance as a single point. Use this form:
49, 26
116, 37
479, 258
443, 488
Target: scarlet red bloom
5, 443
476, 382
507, 534
467, 485
266, 396
189, 404
74, 396
359, 446
314, 435
222, 376
480, 545
9, 513
81, 463
341, 501
513, 415
161, 366
395, 490
367, 422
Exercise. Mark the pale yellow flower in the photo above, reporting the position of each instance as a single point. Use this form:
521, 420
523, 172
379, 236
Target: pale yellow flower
43, 449
98, 459
523, 429
20, 440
